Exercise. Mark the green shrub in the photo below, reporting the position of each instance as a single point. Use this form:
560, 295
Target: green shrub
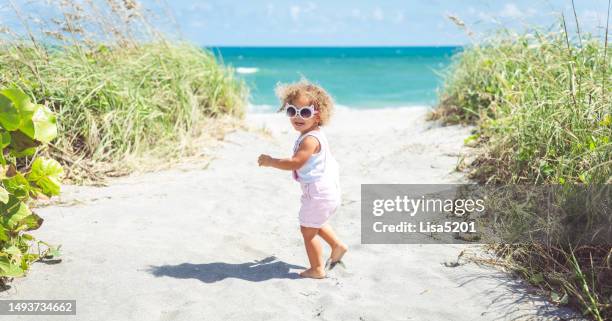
114, 102
24, 128
543, 111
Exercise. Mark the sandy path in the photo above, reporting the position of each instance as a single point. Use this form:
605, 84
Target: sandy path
184, 244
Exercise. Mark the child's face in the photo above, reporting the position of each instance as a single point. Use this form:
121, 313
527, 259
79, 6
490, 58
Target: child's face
300, 124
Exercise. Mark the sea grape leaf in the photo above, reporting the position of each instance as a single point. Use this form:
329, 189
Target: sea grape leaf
36, 122
9, 116
45, 128
19, 111
30, 222
26, 152
13, 212
46, 173
17, 185
9, 269
21, 142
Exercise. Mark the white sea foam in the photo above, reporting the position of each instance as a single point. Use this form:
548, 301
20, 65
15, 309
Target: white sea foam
247, 70
343, 108
264, 108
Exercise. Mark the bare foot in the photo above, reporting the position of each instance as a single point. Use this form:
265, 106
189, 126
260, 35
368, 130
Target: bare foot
338, 252
313, 273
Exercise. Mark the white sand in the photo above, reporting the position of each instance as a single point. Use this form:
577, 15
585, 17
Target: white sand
182, 244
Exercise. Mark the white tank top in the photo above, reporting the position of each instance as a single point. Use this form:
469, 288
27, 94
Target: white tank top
321, 165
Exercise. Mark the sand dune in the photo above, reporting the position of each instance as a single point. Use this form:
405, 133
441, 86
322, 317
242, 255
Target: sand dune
222, 243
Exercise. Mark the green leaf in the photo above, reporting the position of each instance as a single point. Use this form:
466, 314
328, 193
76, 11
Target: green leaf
35, 121
17, 185
28, 258
536, 278
9, 269
45, 128
21, 142
9, 116
26, 152
560, 299
14, 212
5, 139
46, 173
12, 250
30, 222
471, 138
3, 234
53, 252
19, 111
4, 195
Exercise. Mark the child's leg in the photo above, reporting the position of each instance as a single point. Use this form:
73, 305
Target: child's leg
338, 248
313, 249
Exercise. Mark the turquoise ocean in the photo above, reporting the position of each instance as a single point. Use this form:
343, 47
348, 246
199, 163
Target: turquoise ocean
356, 77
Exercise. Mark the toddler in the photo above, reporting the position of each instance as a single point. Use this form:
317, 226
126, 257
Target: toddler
309, 107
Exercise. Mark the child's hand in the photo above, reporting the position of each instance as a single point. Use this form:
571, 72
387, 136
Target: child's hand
264, 160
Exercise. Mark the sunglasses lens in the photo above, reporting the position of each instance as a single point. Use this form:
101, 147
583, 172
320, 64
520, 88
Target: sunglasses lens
291, 112
305, 113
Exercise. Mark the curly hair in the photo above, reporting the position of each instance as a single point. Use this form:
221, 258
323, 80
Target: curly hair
315, 94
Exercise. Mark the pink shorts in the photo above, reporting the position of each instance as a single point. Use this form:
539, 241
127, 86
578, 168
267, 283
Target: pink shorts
319, 202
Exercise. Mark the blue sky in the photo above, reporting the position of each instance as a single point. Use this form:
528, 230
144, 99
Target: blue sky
343, 22
358, 22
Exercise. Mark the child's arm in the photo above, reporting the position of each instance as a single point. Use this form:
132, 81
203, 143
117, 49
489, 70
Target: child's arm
307, 147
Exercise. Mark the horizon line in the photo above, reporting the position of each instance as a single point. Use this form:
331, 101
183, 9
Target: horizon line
331, 46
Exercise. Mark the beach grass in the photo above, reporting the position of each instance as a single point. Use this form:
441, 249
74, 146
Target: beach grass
543, 110
118, 94
542, 106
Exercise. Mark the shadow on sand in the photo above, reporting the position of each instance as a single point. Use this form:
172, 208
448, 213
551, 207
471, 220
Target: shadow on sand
515, 296
266, 269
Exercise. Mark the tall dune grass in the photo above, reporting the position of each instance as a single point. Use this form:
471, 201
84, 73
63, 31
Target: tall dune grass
120, 88
542, 106
543, 111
